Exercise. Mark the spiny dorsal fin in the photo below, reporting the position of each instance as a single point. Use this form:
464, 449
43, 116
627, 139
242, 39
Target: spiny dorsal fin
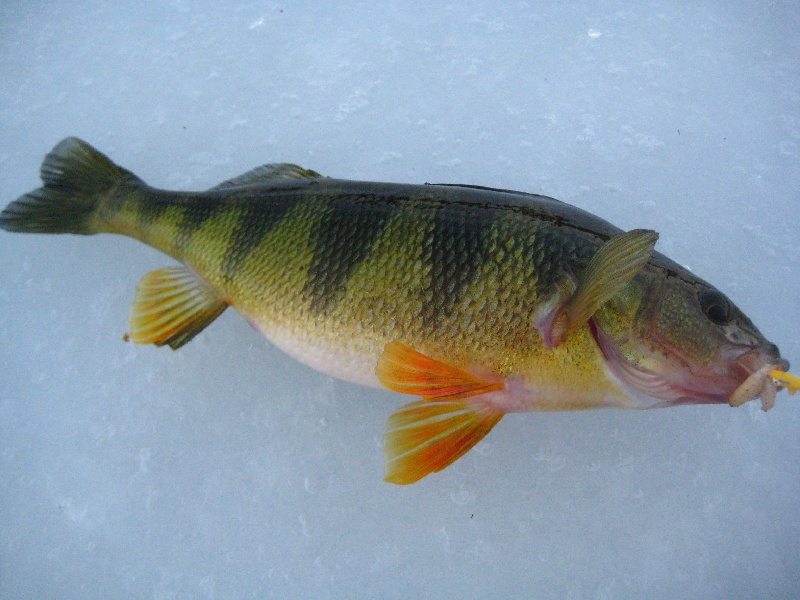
172, 305
614, 265
269, 173
426, 436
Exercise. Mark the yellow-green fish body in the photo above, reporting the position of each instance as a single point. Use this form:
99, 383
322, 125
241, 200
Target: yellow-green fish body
480, 301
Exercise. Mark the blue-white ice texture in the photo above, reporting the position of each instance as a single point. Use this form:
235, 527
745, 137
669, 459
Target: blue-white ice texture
228, 470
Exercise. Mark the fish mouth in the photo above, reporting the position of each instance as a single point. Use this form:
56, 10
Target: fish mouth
759, 382
752, 367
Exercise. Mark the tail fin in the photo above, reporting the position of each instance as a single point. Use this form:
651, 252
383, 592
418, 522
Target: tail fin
76, 178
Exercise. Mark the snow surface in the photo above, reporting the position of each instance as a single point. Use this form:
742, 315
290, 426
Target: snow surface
227, 470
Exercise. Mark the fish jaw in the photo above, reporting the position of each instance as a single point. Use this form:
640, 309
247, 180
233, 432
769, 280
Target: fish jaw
745, 376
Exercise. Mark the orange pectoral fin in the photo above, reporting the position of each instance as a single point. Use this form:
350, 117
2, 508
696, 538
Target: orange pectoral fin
404, 370
424, 437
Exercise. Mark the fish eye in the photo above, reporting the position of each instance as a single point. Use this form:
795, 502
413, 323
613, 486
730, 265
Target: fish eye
715, 306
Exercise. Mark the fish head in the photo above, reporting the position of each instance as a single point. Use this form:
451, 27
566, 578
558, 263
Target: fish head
671, 338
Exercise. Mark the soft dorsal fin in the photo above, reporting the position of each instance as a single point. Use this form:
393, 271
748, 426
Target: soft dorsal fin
614, 265
269, 173
171, 306
428, 435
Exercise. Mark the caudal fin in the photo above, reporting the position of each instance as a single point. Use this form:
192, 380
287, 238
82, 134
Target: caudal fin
76, 178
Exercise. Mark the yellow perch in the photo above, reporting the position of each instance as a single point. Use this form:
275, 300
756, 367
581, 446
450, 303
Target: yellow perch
478, 301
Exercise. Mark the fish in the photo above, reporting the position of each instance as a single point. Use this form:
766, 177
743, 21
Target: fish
476, 301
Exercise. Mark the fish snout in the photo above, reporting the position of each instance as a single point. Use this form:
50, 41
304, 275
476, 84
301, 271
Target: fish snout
781, 364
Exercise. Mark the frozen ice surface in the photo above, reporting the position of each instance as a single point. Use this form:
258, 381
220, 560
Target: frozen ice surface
227, 470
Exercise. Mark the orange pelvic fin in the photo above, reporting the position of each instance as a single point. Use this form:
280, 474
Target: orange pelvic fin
428, 435
424, 437
403, 369
171, 306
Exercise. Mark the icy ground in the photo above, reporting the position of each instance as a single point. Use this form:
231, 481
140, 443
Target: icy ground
227, 470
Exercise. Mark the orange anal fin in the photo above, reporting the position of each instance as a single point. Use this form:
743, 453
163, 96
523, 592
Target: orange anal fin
786, 380
171, 306
424, 437
403, 369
